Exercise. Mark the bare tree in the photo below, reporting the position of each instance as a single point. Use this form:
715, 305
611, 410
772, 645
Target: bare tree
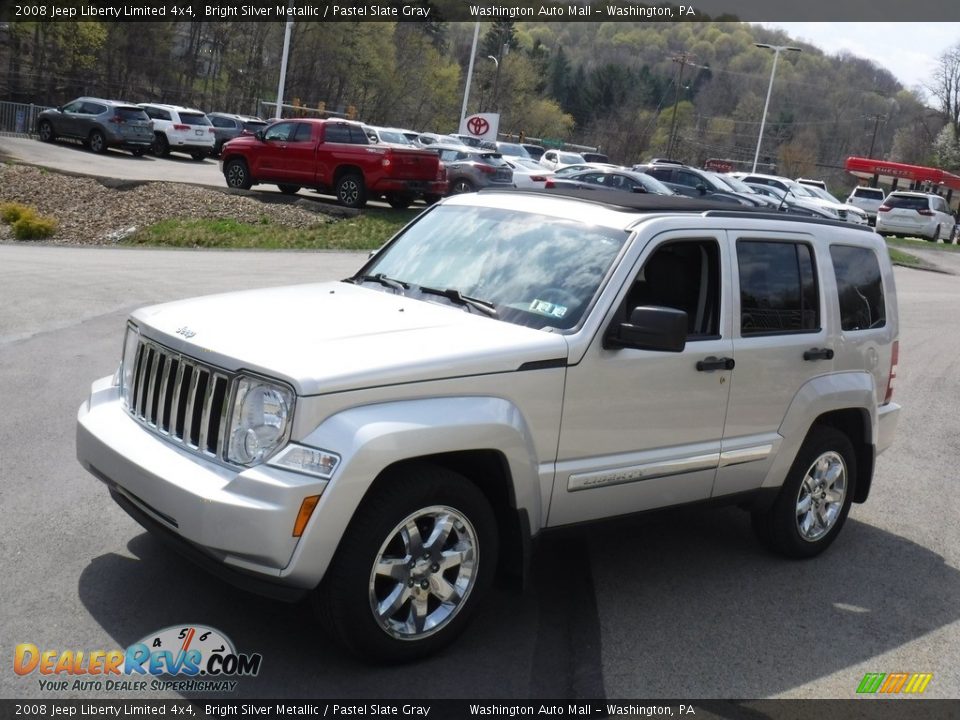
945, 87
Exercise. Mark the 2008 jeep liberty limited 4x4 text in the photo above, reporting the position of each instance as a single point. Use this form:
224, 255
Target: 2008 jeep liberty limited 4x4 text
508, 363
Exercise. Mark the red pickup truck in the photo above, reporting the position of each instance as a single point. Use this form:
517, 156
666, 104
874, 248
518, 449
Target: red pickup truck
332, 156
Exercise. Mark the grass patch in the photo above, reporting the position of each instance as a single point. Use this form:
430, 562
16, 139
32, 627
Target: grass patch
921, 244
899, 257
367, 231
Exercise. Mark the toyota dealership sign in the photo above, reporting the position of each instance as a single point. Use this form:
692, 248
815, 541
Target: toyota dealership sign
482, 125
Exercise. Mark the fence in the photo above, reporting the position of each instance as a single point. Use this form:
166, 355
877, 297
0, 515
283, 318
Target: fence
19, 118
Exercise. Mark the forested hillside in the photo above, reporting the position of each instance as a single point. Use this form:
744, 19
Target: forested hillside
621, 86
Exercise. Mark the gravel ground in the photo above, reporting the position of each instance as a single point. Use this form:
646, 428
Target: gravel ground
91, 213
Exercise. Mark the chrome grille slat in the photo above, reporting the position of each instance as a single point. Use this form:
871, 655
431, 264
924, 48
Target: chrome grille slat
191, 400
182, 400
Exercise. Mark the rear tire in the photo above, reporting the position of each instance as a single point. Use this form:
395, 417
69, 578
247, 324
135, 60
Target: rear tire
138, 152
350, 190
97, 142
237, 174
289, 189
161, 148
199, 156
400, 202
461, 186
815, 499
416, 559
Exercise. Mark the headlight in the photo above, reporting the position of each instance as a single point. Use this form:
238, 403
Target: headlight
260, 420
128, 362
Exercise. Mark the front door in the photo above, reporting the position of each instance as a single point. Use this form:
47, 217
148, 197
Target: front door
643, 429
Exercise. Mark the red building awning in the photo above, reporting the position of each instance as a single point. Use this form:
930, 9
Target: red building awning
887, 172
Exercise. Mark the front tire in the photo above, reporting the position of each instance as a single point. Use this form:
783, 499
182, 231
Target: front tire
97, 142
350, 190
936, 234
416, 559
815, 498
237, 174
45, 130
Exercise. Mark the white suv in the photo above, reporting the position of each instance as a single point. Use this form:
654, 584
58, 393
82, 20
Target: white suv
180, 129
391, 442
915, 213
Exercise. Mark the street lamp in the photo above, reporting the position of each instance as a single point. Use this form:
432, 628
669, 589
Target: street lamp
777, 49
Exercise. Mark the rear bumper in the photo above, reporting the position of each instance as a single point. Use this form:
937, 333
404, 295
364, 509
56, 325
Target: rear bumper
887, 417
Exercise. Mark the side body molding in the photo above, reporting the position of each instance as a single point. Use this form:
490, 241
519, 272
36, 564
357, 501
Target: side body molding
370, 438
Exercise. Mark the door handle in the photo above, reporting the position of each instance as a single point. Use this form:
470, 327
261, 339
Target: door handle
818, 354
714, 363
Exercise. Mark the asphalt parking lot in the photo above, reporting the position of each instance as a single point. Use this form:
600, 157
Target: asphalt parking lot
682, 605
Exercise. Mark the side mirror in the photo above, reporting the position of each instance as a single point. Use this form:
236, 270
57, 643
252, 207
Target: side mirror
639, 189
650, 328
260, 135
702, 189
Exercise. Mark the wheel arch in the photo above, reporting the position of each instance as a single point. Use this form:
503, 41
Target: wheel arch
485, 439
845, 401
345, 169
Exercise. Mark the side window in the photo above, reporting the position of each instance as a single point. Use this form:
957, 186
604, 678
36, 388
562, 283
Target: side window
859, 287
358, 136
778, 288
280, 131
660, 173
90, 108
222, 122
689, 179
684, 275
303, 133
336, 133
73, 107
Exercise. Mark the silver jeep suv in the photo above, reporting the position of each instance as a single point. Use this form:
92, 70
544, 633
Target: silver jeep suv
509, 363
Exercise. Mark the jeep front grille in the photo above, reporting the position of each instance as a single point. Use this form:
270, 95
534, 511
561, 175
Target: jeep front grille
179, 398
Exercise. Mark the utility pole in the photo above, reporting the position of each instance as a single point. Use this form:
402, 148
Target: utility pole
683, 60
777, 49
876, 125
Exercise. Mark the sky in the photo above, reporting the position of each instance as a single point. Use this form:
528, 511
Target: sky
908, 50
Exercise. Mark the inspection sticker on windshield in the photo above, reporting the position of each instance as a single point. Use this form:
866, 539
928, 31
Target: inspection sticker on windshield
542, 306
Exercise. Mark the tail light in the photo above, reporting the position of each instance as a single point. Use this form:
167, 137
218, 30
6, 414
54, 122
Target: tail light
441, 172
486, 169
117, 120
925, 212
894, 359
549, 184
884, 208
210, 130
538, 178
181, 127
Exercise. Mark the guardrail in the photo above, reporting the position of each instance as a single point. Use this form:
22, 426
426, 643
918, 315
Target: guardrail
19, 119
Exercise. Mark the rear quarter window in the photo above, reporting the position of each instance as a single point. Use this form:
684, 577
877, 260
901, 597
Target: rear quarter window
859, 288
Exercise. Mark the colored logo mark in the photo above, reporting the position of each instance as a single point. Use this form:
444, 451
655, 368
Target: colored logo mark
891, 683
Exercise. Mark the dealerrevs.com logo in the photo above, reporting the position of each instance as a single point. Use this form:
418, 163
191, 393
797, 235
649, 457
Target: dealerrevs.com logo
197, 657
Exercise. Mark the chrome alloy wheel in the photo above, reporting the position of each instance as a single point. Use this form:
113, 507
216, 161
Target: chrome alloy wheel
423, 573
821, 496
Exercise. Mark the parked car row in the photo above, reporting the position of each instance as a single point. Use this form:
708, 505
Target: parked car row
161, 128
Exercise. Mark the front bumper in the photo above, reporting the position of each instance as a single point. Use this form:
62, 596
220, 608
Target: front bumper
239, 520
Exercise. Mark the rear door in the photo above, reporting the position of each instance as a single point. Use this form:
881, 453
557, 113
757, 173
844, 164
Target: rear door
780, 342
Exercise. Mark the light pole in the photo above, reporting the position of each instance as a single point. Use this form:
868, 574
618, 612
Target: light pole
466, 89
777, 49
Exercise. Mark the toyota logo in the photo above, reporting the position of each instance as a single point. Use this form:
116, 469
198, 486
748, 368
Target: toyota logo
478, 125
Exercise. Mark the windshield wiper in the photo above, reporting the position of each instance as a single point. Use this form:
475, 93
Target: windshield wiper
484, 306
398, 285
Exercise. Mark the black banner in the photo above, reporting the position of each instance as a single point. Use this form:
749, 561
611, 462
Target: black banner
478, 10
863, 709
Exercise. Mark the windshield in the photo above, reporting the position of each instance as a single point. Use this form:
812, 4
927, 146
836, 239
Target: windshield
652, 185
393, 136
536, 270
801, 191
511, 149
821, 193
570, 158
736, 183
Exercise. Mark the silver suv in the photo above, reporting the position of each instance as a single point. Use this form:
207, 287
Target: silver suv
509, 363
470, 169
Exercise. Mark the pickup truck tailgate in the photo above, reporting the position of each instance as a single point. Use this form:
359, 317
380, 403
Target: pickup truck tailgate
413, 164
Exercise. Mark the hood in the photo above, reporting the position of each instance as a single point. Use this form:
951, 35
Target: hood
331, 337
